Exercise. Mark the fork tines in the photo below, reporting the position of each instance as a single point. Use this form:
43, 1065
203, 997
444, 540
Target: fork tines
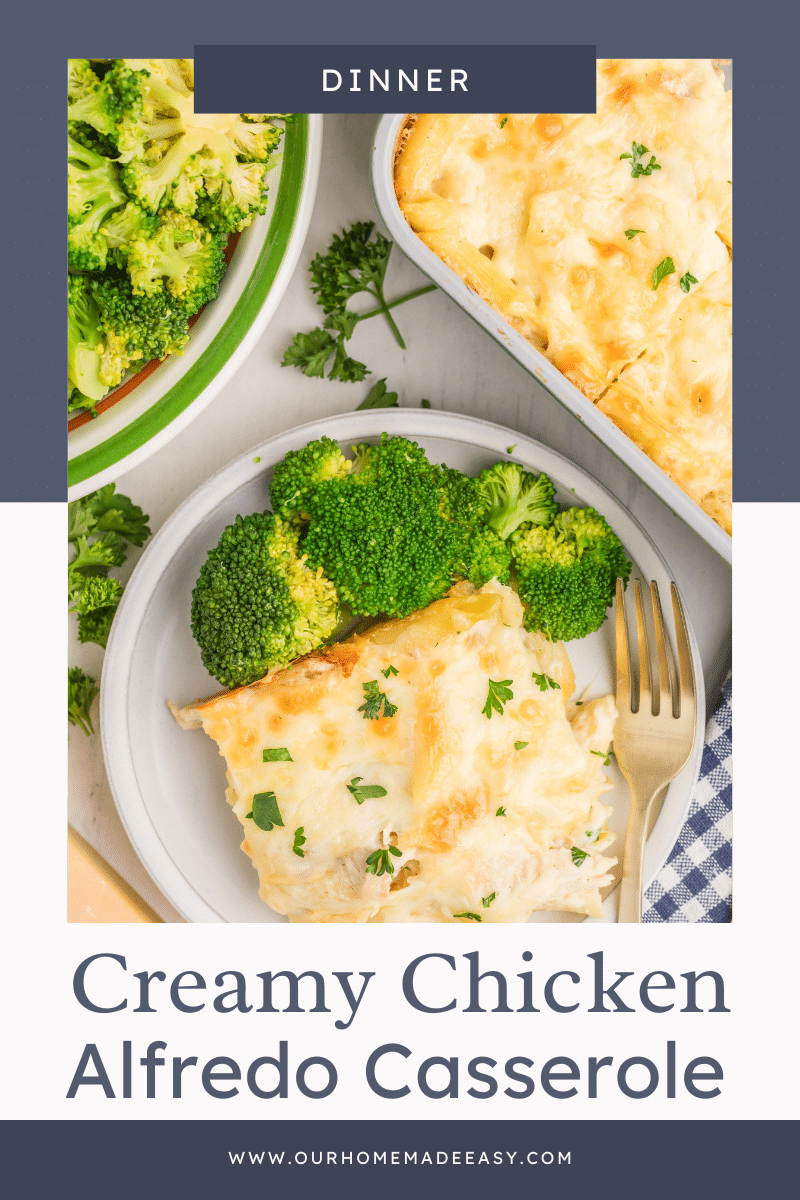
647, 690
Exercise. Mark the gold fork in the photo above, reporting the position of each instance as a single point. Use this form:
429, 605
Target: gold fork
652, 742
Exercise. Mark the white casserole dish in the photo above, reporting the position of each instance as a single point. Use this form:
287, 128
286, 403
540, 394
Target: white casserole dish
383, 154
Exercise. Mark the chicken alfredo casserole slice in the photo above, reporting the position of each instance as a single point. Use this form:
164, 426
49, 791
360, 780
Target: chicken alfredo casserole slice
430, 770
592, 235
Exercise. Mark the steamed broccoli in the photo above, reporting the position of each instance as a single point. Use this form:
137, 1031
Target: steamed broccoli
567, 572
180, 257
93, 192
299, 471
84, 385
134, 328
513, 497
125, 226
257, 604
173, 156
396, 532
102, 103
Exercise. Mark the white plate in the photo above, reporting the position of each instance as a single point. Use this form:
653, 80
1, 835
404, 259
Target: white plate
383, 155
169, 784
226, 331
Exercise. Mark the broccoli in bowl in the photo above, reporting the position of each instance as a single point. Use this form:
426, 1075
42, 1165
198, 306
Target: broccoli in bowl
154, 190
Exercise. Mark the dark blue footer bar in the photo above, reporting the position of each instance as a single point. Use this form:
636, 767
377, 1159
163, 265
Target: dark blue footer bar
678, 1160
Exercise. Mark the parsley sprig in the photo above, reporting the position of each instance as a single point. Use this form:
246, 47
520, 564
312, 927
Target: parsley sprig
376, 703
665, 267
543, 682
638, 165
499, 695
370, 791
265, 812
379, 862
82, 691
354, 262
686, 281
299, 841
101, 527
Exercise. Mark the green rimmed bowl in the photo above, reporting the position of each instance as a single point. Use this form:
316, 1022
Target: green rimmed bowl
166, 399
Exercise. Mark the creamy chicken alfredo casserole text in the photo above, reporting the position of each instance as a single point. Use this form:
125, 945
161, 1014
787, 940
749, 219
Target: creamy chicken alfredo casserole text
479, 808
605, 239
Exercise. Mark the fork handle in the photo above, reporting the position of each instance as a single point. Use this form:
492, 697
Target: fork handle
630, 888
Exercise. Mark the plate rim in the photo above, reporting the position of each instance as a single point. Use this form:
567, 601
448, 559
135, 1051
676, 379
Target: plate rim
254, 306
180, 525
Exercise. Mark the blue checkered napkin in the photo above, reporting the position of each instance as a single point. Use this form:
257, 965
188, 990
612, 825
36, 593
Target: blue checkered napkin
694, 883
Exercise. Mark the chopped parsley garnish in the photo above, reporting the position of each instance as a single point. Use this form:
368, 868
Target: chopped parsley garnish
424, 403
299, 841
579, 702
686, 281
379, 862
279, 754
265, 812
578, 855
606, 757
520, 745
638, 165
511, 449
487, 900
376, 703
543, 682
665, 267
596, 837
499, 694
501, 812
468, 916
369, 792
390, 670
631, 233
503, 122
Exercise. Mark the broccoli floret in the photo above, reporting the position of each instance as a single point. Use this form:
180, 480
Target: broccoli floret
103, 103
135, 329
482, 555
567, 573
396, 532
86, 135
212, 165
180, 257
489, 558
93, 192
84, 337
257, 604
126, 226
514, 497
300, 471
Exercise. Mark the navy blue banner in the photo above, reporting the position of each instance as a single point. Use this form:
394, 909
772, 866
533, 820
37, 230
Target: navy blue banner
566, 1159
367, 79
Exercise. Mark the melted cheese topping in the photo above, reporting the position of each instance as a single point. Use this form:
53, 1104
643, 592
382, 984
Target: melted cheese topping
531, 210
445, 767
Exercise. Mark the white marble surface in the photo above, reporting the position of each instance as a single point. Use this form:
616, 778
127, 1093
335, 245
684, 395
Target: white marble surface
451, 362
